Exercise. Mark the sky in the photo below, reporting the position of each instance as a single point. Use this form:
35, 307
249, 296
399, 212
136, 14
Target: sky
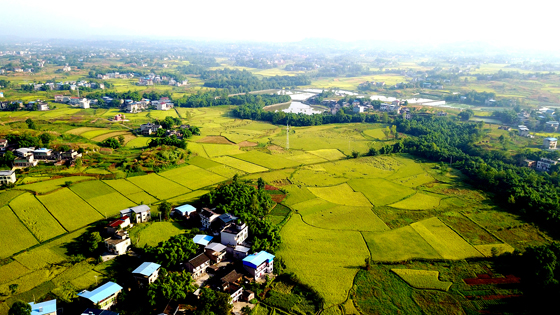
528, 24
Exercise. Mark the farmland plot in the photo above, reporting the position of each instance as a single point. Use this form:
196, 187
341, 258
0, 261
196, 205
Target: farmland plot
267, 160
423, 279
214, 150
69, 209
346, 218
380, 191
131, 191
102, 197
240, 164
9, 227
341, 194
418, 201
192, 177
37, 219
328, 154
399, 245
316, 175
158, 186
53, 184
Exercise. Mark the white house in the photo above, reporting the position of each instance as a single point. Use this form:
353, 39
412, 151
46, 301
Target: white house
234, 234
215, 251
146, 273
27, 161
139, 214
164, 106
84, 103
545, 164
42, 154
43, 308
104, 296
7, 177
207, 216
118, 244
197, 266
550, 143
259, 264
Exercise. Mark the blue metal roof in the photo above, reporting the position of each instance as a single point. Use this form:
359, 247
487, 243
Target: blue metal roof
47, 307
101, 293
147, 269
202, 239
257, 259
551, 139
186, 209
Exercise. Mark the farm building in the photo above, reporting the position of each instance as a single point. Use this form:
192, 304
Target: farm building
149, 128
7, 177
146, 273
259, 264
549, 143
185, 211
234, 234
207, 216
202, 239
215, 251
43, 308
104, 296
139, 214
197, 266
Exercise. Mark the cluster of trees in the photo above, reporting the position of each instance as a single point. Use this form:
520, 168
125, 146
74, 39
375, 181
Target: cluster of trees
217, 98
30, 140
505, 116
257, 113
250, 204
349, 69
534, 195
479, 98
171, 141
113, 143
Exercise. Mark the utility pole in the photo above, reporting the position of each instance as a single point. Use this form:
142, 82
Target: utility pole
287, 136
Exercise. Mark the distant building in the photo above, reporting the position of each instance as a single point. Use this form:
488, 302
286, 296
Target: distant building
95, 311
549, 143
7, 177
43, 154
84, 103
43, 308
139, 214
544, 164
523, 131
149, 128
551, 125
185, 211
104, 296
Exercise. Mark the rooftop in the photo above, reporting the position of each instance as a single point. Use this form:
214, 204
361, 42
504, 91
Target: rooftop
199, 260
94, 311
551, 139
43, 307
147, 269
227, 218
188, 209
217, 247
202, 239
6, 173
101, 293
257, 259
242, 249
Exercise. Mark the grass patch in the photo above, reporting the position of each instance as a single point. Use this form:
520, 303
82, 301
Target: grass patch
340, 194
202, 162
415, 180
158, 186
14, 235
346, 218
69, 209
297, 194
151, 234
37, 219
267, 160
214, 150
328, 154
138, 142
423, 279
192, 177
87, 280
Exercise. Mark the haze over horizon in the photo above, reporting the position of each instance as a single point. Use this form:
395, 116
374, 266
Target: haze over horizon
430, 22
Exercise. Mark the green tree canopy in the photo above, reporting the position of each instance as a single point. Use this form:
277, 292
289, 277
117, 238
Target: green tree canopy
20, 308
170, 286
177, 249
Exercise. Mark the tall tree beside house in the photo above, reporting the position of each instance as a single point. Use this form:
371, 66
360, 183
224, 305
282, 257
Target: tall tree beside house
260, 183
20, 308
213, 302
93, 241
164, 208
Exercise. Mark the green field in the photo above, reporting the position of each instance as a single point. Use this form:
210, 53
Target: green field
131, 191
192, 177
158, 186
37, 219
380, 191
399, 245
151, 234
53, 184
266, 160
418, 201
240, 165
354, 218
69, 209
10, 226
214, 150
341, 194
102, 197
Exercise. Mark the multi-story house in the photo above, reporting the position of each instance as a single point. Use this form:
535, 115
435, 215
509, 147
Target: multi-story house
259, 264
139, 214
146, 273
234, 234
197, 266
7, 177
102, 297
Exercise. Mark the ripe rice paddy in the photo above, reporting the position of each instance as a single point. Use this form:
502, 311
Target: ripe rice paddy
240, 164
423, 279
341, 194
9, 227
192, 177
418, 201
37, 219
158, 186
69, 209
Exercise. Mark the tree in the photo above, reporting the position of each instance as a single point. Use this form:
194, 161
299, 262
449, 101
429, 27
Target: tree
164, 208
110, 143
214, 302
81, 151
177, 249
20, 308
466, 114
121, 139
387, 132
355, 154
13, 288
394, 131
79, 163
93, 241
46, 138
260, 183
170, 286
30, 123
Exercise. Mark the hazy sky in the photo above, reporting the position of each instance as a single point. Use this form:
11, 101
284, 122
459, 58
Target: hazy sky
501, 22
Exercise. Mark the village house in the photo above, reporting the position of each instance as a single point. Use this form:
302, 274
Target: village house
259, 264
43, 308
545, 164
523, 131
202, 239
43, 154
132, 108
118, 244
70, 155
84, 103
240, 252
146, 273
102, 297
95, 311
66, 68
230, 285
207, 216
184, 211
149, 128
59, 98
7, 177
1, 94
164, 106
119, 117
27, 161
139, 214
551, 125
358, 109
3, 144
118, 224
197, 266
549, 143
234, 234
215, 251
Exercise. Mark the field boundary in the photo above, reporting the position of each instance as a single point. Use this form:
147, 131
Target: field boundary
25, 225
